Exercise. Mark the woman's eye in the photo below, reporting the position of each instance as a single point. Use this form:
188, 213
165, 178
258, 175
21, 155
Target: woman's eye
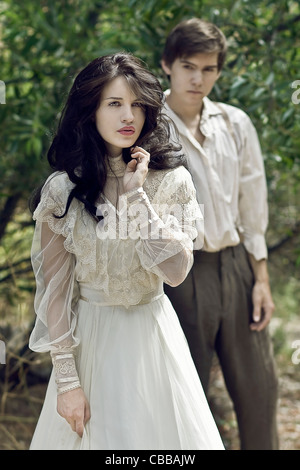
138, 104
114, 103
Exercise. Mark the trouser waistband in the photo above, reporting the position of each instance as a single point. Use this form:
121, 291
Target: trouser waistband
216, 256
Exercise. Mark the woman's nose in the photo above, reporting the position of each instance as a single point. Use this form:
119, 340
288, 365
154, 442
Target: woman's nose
127, 115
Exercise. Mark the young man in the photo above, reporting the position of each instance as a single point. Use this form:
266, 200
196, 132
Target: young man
225, 303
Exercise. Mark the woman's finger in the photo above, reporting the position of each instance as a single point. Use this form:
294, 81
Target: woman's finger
79, 427
140, 155
72, 423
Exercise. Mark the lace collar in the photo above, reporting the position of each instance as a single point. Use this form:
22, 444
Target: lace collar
115, 166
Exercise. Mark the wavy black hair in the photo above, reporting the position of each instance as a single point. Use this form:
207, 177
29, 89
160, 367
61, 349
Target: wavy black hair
78, 148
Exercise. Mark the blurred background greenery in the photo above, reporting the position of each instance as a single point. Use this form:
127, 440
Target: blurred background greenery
43, 45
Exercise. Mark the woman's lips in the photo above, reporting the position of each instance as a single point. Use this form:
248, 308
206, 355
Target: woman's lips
127, 130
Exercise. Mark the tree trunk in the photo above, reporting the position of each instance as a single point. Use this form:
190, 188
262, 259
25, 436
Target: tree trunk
7, 212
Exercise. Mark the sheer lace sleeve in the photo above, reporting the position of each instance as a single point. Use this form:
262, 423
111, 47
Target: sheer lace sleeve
53, 267
166, 228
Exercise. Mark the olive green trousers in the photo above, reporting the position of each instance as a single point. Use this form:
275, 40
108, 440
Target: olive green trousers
214, 307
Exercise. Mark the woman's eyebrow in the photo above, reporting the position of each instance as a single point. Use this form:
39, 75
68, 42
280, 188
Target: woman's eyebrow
113, 98
118, 98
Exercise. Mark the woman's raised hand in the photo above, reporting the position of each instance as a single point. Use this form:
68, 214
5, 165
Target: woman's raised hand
136, 170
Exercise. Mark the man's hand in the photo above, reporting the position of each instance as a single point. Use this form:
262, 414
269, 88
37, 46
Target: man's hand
74, 407
263, 305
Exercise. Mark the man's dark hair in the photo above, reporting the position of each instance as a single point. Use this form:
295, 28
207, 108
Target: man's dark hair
195, 36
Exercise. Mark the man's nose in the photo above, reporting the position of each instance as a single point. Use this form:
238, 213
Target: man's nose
197, 77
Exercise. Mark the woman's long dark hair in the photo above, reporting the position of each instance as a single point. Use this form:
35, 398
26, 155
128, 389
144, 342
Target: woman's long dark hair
79, 150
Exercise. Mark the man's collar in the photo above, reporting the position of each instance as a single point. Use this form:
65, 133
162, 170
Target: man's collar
176, 119
210, 108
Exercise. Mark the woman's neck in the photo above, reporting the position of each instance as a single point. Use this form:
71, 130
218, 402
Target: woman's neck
115, 166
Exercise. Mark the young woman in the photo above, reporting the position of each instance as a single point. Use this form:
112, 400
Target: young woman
114, 221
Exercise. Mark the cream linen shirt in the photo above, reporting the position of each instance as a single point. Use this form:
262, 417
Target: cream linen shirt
229, 176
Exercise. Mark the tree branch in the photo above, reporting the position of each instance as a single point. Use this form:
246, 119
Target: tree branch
14, 265
294, 231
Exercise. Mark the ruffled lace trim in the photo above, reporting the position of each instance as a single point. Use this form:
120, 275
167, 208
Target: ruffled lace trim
77, 226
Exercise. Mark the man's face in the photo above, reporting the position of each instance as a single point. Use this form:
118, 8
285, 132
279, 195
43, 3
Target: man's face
193, 77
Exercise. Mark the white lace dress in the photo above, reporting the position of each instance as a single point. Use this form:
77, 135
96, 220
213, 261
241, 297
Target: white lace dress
99, 295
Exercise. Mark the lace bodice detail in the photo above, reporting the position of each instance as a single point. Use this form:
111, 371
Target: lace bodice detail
127, 265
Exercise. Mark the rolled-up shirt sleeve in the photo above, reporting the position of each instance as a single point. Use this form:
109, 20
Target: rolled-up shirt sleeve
253, 204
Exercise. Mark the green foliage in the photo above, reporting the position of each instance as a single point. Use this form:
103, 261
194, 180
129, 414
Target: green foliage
44, 44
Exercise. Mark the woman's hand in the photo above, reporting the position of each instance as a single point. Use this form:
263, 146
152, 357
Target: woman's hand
136, 170
74, 407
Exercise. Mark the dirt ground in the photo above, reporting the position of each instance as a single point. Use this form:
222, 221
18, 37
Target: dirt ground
21, 411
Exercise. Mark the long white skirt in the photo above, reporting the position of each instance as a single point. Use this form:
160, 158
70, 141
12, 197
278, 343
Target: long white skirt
139, 378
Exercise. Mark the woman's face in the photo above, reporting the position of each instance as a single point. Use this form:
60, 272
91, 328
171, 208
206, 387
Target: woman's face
120, 116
